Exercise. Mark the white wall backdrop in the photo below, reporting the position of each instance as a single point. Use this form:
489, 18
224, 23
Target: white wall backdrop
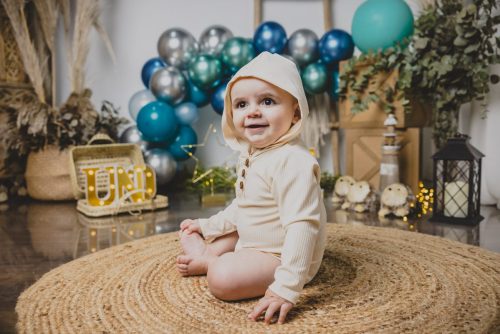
135, 26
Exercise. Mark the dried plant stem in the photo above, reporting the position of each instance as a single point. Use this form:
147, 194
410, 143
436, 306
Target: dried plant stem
47, 11
17, 17
87, 13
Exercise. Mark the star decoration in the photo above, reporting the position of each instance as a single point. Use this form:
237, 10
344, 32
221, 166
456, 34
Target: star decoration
187, 148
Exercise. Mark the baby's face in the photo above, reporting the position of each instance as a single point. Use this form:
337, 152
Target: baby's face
262, 112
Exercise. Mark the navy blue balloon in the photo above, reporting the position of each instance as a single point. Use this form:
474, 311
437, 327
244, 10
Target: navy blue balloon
334, 85
185, 136
217, 100
335, 45
197, 95
150, 67
157, 122
269, 36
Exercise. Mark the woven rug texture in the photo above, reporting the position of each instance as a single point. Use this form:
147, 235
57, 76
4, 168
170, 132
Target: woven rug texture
372, 280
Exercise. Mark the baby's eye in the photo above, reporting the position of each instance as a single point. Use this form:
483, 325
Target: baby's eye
241, 104
268, 101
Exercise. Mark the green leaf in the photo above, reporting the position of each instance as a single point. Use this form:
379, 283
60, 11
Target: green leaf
421, 43
471, 48
460, 41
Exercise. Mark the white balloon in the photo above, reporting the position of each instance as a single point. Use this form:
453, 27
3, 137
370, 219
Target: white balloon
139, 100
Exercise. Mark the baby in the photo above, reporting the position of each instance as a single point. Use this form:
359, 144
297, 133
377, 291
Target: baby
270, 240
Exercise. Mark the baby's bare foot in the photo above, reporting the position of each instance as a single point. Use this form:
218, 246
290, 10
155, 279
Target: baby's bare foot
192, 244
196, 255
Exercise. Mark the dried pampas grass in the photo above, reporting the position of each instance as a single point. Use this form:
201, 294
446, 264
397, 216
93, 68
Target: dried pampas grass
15, 11
87, 16
47, 13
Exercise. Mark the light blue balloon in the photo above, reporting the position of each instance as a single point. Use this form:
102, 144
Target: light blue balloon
157, 122
187, 113
139, 100
380, 24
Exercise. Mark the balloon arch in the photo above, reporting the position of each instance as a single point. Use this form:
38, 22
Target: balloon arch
189, 73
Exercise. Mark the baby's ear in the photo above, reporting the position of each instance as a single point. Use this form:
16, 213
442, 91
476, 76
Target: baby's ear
296, 113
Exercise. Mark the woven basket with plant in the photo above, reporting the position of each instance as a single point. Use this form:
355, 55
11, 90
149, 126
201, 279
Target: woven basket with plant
41, 132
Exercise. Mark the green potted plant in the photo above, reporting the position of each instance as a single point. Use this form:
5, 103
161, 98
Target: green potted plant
40, 131
445, 65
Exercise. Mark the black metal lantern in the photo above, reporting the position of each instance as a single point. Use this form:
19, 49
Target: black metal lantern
457, 182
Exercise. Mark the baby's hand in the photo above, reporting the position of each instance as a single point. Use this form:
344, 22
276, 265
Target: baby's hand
190, 226
271, 303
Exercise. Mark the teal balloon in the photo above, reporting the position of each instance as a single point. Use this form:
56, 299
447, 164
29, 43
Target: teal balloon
185, 136
197, 95
380, 24
157, 122
205, 71
334, 85
236, 53
315, 78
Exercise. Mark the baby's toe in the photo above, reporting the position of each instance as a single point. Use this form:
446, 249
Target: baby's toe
184, 259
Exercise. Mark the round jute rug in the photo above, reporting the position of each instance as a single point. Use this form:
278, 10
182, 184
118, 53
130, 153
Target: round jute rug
372, 280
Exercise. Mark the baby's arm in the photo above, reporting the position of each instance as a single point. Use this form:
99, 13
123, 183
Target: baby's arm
222, 223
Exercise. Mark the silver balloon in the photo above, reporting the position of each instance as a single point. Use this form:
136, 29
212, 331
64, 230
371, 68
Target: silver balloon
292, 60
139, 100
177, 46
303, 46
163, 164
168, 85
132, 135
213, 38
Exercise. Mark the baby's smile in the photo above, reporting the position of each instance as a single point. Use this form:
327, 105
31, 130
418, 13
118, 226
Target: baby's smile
256, 128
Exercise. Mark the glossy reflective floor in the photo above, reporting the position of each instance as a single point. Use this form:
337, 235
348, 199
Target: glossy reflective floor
36, 237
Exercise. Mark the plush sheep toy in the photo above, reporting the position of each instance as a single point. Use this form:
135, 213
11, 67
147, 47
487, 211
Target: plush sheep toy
341, 189
396, 199
360, 198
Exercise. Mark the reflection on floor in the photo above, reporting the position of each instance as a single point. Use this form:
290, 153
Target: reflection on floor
36, 237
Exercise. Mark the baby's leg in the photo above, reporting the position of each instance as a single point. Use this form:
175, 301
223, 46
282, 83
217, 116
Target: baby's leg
198, 254
243, 274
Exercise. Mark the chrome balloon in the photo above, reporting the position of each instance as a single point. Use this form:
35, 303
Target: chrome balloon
213, 38
303, 46
177, 46
163, 164
168, 85
132, 135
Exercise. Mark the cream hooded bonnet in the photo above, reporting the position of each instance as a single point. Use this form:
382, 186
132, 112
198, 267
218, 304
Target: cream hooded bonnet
276, 70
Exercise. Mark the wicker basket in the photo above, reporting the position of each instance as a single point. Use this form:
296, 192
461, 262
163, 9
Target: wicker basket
47, 175
105, 152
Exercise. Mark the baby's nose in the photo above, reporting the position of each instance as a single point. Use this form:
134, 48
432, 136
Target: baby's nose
254, 112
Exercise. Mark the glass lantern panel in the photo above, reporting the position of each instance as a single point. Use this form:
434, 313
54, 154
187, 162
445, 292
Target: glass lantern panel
456, 188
